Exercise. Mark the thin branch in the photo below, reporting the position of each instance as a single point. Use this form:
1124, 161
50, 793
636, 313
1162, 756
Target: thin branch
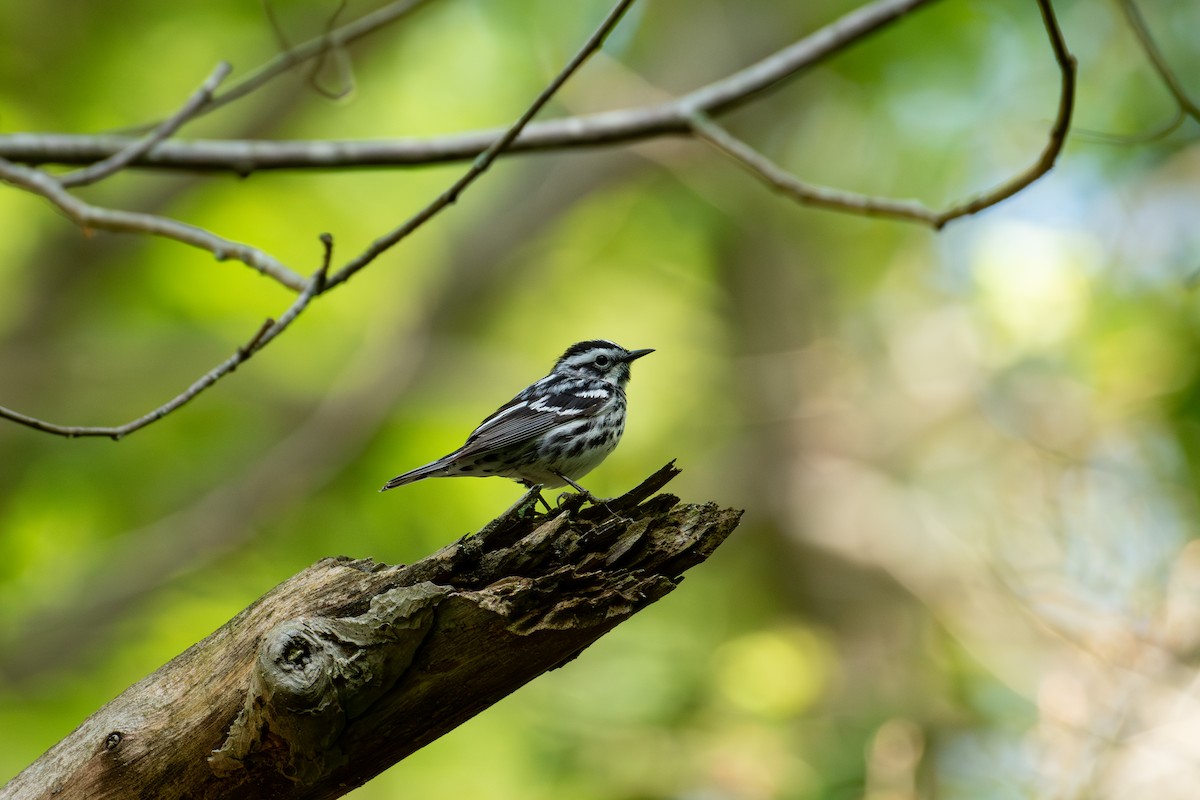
679, 114
123, 158
1058, 132
314, 48
485, 159
769, 73
320, 281
226, 516
1184, 105
338, 52
805, 193
264, 336
88, 216
340, 58
1138, 24
610, 127
276, 28
909, 210
326, 260
1146, 137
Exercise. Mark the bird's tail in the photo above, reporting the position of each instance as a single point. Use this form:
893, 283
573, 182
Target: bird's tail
431, 470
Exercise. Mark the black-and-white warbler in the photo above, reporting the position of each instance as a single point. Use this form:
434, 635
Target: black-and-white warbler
555, 431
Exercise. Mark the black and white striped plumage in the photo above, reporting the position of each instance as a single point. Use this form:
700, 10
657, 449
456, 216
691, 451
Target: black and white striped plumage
555, 431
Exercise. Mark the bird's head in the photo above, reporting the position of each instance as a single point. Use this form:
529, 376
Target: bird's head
598, 358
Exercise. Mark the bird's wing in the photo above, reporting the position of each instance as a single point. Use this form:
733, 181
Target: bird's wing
526, 417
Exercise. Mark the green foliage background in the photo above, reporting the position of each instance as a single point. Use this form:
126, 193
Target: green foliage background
967, 567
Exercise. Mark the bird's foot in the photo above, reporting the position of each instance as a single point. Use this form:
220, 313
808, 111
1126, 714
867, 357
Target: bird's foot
573, 500
582, 496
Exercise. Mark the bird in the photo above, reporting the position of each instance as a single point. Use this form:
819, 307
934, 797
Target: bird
554, 431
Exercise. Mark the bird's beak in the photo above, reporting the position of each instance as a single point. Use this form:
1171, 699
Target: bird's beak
634, 355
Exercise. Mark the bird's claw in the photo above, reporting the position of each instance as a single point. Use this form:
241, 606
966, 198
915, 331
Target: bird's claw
574, 499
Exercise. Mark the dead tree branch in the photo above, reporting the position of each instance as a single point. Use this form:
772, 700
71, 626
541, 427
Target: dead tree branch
480, 273
350, 666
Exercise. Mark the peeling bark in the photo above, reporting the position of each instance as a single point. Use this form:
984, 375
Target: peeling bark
351, 665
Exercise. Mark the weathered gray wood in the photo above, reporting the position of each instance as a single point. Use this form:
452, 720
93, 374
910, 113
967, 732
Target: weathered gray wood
349, 666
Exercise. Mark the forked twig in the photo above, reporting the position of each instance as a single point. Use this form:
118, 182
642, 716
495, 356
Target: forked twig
264, 335
909, 210
314, 48
333, 47
88, 216
126, 156
320, 281
488, 156
605, 127
689, 113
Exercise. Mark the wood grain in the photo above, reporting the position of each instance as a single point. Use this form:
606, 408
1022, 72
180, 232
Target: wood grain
349, 666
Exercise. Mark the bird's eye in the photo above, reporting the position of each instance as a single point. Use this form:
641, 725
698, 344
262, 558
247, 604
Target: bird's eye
602, 361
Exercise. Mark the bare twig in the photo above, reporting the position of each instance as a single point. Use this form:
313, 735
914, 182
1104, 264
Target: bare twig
226, 517
276, 28
910, 210
124, 157
1058, 131
805, 193
488, 156
320, 281
318, 64
1184, 105
88, 216
340, 58
769, 73
671, 117
326, 260
265, 334
688, 112
1138, 25
1153, 135
314, 48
